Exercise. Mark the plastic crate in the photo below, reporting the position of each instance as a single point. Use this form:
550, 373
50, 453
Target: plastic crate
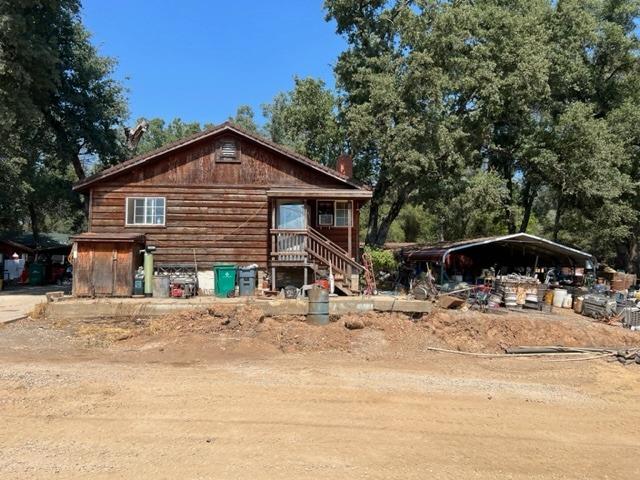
631, 317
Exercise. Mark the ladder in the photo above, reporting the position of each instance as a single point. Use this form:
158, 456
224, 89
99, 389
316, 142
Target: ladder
369, 278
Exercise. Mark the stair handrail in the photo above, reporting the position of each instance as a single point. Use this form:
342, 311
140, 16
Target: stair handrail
315, 232
339, 252
330, 246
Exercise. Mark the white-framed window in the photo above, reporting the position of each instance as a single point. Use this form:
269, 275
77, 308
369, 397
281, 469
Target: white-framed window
291, 215
146, 211
343, 214
338, 213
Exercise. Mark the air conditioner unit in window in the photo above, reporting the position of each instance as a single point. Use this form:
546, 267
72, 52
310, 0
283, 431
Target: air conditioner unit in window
326, 219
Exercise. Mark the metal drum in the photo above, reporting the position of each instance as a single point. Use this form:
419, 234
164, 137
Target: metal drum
318, 306
510, 298
161, 286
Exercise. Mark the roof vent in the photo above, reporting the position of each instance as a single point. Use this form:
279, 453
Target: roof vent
227, 150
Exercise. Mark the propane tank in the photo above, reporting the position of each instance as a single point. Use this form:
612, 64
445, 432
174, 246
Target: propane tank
332, 281
148, 270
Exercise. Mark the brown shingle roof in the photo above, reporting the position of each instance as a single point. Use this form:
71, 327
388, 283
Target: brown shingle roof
226, 126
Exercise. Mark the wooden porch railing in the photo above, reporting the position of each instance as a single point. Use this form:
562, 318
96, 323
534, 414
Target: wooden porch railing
299, 246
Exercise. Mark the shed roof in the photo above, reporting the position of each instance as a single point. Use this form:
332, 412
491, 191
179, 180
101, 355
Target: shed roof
223, 127
19, 247
438, 251
110, 237
49, 242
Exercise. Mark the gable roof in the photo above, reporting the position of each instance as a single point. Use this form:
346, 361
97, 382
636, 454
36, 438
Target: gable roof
222, 128
438, 251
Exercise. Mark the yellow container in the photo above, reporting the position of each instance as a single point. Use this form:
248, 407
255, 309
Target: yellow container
548, 297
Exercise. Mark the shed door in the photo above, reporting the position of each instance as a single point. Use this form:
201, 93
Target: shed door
103, 271
82, 271
124, 270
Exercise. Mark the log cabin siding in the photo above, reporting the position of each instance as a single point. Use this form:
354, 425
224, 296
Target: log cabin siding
214, 223
217, 212
196, 166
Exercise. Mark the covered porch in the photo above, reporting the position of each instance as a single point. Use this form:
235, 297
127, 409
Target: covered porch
315, 232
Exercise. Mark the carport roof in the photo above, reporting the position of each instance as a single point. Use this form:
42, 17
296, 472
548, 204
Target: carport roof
438, 251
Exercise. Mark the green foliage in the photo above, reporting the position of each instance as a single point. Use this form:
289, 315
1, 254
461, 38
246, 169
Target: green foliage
476, 210
413, 224
60, 109
383, 260
245, 118
160, 133
496, 116
305, 119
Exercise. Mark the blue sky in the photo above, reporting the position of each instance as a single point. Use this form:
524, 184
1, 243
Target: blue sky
198, 60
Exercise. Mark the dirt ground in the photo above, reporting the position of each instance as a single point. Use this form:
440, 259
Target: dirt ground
229, 394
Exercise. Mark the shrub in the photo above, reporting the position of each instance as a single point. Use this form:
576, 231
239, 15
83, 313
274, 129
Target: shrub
383, 260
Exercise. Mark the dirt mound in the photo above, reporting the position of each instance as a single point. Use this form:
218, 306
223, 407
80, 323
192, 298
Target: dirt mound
475, 332
370, 334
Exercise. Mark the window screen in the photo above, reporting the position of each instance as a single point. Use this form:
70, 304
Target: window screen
343, 214
146, 211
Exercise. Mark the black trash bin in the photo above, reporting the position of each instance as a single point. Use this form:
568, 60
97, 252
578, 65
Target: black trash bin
247, 281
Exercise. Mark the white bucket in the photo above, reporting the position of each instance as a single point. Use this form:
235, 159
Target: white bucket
558, 297
567, 302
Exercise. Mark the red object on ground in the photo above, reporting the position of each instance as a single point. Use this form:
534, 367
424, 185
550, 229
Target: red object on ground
324, 283
24, 276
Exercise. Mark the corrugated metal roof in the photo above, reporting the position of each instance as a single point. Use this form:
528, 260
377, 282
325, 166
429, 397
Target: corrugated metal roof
439, 250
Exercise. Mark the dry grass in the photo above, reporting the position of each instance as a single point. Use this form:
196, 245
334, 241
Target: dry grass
39, 311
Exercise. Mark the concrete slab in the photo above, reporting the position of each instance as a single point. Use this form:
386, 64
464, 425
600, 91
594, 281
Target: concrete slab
87, 309
16, 303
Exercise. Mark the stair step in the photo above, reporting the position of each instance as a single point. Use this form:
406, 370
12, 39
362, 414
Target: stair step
339, 286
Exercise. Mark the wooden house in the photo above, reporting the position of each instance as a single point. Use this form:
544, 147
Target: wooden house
230, 196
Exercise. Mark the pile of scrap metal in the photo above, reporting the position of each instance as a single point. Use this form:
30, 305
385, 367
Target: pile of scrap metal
598, 306
624, 355
511, 291
518, 291
614, 299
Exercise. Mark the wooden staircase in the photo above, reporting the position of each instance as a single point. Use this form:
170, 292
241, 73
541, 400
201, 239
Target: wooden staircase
309, 248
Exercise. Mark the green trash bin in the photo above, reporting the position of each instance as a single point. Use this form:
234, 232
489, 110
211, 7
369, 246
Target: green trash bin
225, 279
36, 274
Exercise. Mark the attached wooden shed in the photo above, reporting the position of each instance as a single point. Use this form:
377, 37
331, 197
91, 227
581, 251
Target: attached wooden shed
104, 264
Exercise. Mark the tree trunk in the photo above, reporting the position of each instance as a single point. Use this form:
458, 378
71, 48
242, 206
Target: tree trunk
509, 217
528, 196
372, 227
35, 226
556, 222
78, 167
385, 223
378, 228
377, 201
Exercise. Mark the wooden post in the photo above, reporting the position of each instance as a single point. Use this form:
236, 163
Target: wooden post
306, 275
273, 278
350, 229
